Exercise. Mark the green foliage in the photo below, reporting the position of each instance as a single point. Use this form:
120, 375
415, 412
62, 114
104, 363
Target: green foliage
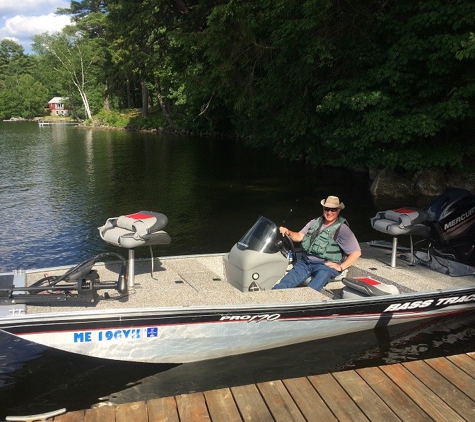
151, 122
352, 83
467, 48
74, 58
408, 102
112, 119
128, 119
21, 95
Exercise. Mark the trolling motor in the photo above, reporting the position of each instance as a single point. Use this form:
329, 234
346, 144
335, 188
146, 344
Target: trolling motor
79, 285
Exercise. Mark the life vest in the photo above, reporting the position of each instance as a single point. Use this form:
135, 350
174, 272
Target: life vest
322, 242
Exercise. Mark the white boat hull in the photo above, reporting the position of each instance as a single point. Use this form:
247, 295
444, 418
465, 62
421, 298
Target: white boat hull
179, 336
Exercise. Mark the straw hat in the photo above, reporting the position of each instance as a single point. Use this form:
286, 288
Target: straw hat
333, 202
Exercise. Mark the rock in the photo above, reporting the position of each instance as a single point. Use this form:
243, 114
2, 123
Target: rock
423, 185
373, 173
429, 182
462, 180
391, 184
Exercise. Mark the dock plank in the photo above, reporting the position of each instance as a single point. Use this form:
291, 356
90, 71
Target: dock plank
280, 402
441, 389
131, 412
76, 416
365, 398
465, 362
453, 397
221, 405
393, 396
308, 400
421, 394
454, 374
192, 407
100, 414
162, 410
336, 398
250, 403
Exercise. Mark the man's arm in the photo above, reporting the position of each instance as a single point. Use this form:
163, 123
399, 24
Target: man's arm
347, 263
350, 260
294, 236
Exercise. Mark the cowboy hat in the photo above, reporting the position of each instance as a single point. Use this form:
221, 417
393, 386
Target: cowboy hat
333, 202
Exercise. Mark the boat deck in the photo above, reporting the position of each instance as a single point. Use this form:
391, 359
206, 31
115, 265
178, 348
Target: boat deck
201, 281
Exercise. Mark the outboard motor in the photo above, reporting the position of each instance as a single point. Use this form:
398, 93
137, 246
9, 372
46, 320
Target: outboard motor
451, 220
260, 258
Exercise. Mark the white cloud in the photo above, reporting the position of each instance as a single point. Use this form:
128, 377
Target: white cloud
22, 19
25, 26
9, 8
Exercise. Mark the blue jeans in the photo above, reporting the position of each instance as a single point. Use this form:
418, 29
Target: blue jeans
321, 274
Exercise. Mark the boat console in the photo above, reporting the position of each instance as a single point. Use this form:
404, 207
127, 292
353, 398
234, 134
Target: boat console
260, 258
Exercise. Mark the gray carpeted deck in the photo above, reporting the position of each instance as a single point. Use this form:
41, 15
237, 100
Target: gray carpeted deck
201, 281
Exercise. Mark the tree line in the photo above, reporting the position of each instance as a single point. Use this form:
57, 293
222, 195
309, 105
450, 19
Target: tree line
353, 83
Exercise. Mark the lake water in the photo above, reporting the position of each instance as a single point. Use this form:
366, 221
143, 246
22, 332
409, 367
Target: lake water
59, 183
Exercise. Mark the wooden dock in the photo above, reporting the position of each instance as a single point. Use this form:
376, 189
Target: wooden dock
438, 389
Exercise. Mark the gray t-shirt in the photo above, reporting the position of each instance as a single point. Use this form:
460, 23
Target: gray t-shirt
346, 239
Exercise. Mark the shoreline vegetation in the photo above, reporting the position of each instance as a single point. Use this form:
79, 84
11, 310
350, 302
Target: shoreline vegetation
378, 85
132, 120
386, 183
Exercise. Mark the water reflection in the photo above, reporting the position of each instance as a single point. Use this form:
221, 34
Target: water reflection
59, 183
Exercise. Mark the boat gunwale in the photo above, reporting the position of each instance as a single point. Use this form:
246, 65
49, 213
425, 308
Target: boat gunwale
175, 311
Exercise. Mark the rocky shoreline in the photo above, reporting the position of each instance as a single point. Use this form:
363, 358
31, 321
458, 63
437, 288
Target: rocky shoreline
420, 186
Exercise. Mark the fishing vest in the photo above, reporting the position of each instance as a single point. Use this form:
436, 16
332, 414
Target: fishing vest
322, 242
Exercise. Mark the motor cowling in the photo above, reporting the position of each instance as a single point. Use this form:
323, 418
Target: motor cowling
451, 220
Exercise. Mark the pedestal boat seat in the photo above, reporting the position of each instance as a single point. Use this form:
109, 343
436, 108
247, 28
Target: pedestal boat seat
402, 221
143, 228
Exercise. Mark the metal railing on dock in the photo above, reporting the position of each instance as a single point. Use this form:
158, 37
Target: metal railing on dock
48, 123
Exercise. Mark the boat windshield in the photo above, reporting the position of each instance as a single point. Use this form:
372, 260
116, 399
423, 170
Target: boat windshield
261, 237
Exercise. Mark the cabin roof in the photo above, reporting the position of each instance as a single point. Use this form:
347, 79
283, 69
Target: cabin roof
58, 100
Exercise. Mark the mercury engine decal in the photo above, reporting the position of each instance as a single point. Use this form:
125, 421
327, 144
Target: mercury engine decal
459, 219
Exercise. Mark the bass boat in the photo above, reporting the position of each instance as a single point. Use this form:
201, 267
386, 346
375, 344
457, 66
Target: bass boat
198, 307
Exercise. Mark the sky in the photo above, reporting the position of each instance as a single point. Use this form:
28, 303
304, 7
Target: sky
21, 19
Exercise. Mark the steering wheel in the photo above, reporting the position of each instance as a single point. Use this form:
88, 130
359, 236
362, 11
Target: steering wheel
286, 246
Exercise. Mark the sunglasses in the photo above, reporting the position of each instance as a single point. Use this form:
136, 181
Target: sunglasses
330, 209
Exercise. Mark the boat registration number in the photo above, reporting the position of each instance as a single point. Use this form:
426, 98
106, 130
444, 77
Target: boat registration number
122, 334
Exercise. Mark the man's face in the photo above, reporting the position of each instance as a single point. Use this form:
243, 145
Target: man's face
330, 214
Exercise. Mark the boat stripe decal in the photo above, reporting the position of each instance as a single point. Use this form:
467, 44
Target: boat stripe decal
353, 317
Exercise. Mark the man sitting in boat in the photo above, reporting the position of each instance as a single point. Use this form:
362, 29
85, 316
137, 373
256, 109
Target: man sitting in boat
329, 246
